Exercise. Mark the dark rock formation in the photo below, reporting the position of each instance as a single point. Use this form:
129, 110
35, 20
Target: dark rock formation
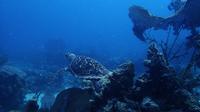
31, 106
164, 86
186, 101
44, 110
156, 62
160, 88
115, 86
12, 91
74, 100
119, 84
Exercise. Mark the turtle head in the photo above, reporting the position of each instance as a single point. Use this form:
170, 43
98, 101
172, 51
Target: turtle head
70, 56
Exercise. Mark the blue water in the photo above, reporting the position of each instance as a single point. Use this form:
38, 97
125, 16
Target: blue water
98, 28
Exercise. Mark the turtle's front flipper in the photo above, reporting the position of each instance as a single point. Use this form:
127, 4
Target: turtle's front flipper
62, 70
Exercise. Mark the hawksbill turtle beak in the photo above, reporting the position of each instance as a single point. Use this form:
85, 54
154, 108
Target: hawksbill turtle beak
70, 56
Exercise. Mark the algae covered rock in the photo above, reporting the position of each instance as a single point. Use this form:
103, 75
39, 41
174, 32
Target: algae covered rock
120, 82
116, 86
31, 106
74, 100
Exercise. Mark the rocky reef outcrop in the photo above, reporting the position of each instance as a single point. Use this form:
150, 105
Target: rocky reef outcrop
31, 106
164, 85
74, 100
90, 99
159, 89
12, 93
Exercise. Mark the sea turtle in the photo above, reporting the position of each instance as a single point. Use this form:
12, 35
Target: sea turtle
85, 67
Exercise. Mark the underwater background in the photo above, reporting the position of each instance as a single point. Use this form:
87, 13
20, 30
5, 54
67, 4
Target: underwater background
100, 28
138, 75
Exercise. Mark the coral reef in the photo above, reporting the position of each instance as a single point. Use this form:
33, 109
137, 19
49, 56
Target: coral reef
161, 82
111, 87
154, 91
156, 62
174, 86
121, 81
159, 89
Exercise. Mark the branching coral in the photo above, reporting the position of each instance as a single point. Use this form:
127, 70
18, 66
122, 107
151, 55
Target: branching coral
156, 62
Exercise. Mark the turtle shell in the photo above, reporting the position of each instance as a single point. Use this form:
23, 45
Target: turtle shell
86, 66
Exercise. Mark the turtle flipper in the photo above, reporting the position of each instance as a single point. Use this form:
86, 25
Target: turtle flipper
62, 70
